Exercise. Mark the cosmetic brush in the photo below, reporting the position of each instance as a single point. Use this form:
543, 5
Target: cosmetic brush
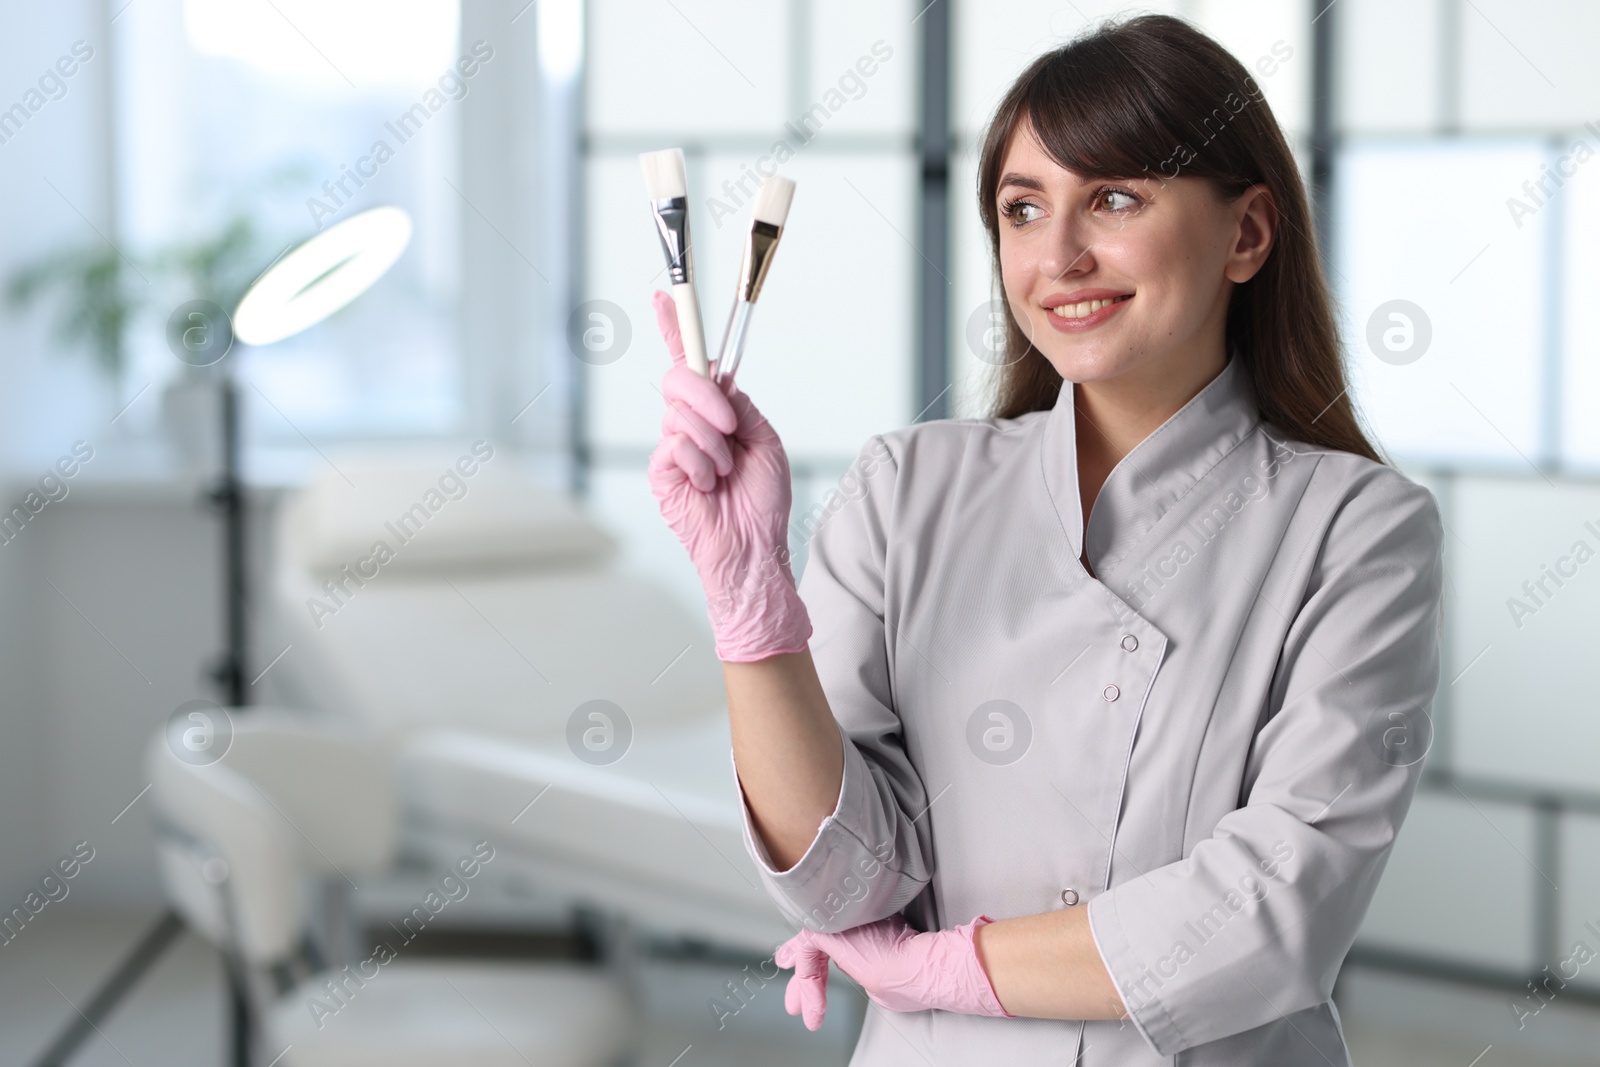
766, 226
667, 183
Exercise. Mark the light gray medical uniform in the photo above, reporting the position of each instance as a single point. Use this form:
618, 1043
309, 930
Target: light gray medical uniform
1210, 745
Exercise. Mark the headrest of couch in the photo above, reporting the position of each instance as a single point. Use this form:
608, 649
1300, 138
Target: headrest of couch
425, 510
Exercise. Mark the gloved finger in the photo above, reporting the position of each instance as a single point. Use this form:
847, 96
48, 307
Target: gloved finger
679, 419
667, 323
802, 948
788, 954
811, 963
797, 1000
806, 995
682, 387
700, 468
803, 954
814, 999
666, 478
807, 992
699, 390
662, 471
679, 452
791, 994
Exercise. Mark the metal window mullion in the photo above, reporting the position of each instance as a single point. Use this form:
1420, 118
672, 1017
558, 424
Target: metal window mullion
932, 371
1323, 134
1450, 67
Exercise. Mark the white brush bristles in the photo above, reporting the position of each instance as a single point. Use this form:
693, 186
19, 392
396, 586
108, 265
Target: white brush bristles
665, 175
773, 200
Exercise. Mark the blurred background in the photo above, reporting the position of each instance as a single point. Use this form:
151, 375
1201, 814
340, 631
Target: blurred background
481, 689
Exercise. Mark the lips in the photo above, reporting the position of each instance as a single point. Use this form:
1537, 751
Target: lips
1084, 308
1095, 312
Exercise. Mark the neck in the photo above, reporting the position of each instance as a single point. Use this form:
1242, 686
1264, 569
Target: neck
1114, 415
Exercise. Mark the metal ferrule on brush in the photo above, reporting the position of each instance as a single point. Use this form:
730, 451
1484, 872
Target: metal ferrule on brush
757, 258
758, 248
672, 225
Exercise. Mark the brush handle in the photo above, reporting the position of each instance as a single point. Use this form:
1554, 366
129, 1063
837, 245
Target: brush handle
733, 339
690, 327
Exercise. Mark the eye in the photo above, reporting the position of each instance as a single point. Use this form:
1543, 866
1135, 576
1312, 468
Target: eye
1130, 200
1018, 211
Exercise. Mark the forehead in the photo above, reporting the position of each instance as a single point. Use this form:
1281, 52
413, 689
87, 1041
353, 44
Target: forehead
1025, 165
1025, 162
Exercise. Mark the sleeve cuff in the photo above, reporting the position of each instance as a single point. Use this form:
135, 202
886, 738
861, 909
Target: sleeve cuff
838, 879
850, 786
1133, 980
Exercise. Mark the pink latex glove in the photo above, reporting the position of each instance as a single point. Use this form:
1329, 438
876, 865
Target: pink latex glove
722, 479
898, 968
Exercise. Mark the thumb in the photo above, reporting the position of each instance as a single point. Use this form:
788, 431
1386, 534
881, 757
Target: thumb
667, 323
806, 994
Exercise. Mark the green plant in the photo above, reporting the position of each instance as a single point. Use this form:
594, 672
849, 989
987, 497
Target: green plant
218, 267
103, 290
101, 298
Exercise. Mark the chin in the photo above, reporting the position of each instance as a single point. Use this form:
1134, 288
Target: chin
1083, 363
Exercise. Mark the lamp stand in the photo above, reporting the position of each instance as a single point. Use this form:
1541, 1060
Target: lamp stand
228, 496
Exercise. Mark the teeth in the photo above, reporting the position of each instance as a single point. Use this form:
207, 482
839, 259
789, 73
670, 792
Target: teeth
1083, 310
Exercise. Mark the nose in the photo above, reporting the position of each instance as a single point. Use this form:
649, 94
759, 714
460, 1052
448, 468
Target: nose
1066, 252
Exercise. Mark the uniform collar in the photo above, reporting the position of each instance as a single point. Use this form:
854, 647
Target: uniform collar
1158, 471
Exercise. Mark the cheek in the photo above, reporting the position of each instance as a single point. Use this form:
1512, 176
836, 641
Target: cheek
1187, 256
1160, 267
1137, 254
1019, 267
1019, 276
1009, 259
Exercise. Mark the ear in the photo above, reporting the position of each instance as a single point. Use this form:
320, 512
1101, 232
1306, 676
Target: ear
1255, 228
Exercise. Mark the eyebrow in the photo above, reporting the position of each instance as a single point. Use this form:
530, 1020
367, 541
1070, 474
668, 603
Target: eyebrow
1013, 178
1028, 182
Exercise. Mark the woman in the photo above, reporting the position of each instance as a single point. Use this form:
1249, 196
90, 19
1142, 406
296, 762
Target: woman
1091, 724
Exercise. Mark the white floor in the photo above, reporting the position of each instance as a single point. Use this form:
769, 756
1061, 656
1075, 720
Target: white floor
175, 1017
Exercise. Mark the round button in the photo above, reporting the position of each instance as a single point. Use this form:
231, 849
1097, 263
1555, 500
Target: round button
1111, 692
1069, 897
1129, 642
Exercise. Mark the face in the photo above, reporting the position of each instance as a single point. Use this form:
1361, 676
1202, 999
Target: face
1123, 279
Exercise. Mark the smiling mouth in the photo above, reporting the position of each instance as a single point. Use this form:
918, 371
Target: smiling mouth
1086, 308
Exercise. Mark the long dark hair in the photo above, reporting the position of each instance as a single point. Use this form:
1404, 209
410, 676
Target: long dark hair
1153, 97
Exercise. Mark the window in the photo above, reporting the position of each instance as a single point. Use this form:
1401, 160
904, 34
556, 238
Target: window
1424, 221
830, 355
296, 115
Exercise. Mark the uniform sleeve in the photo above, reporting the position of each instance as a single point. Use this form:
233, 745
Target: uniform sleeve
869, 858
1254, 924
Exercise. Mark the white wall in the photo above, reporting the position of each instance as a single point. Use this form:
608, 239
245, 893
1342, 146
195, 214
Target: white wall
45, 401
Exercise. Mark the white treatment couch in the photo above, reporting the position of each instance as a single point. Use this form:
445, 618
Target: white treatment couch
468, 652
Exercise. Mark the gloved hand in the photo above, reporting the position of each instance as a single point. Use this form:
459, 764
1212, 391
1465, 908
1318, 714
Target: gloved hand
898, 968
722, 479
